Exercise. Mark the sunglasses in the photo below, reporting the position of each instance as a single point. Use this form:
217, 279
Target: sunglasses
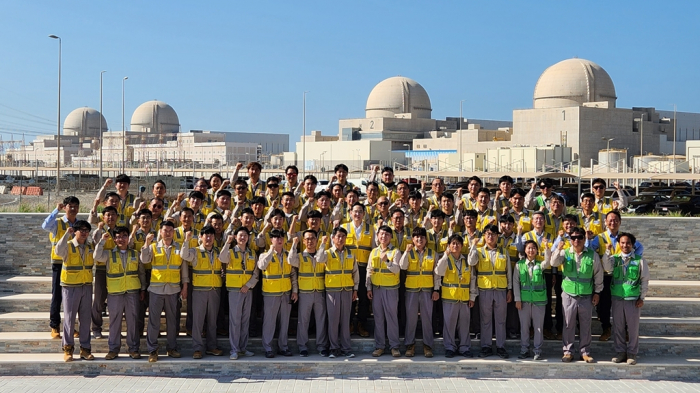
576, 237
157, 206
544, 186
83, 230
598, 187
240, 188
273, 185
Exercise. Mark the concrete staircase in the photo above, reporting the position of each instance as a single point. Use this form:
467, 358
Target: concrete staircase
669, 346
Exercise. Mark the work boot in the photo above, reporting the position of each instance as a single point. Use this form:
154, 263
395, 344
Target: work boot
631, 359
86, 354
76, 334
68, 353
55, 333
587, 359
362, 331
153, 357
606, 334
173, 353
620, 357
395, 352
111, 355
411, 351
427, 351
378, 352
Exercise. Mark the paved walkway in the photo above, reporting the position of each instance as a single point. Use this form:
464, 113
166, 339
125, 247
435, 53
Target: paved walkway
120, 384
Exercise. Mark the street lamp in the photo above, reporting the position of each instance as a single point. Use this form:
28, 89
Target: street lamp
608, 151
322, 156
58, 121
460, 134
674, 138
123, 129
101, 72
303, 144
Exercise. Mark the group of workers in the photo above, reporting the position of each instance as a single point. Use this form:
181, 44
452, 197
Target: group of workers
467, 264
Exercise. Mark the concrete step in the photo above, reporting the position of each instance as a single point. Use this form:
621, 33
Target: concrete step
650, 326
25, 284
41, 342
676, 307
33, 302
362, 366
668, 288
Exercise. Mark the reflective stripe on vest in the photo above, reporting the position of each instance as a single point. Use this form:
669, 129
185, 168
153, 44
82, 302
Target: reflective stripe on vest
455, 285
165, 270
339, 275
492, 275
381, 275
277, 280
239, 269
532, 290
361, 247
206, 272
578, 282
626, 282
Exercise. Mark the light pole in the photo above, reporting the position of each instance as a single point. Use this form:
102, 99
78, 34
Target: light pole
674, 138
123, 129
322, 156
460, 135
607, 154
101, 72
303, 144
58, 121
641, 141
359, 158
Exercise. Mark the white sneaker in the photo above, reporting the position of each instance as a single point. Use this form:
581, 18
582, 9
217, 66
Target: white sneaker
234, 356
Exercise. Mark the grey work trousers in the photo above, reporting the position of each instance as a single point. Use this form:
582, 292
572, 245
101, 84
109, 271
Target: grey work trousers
205, 305
76, 302
456, 316
239, 304
583, 307
338, 305
316, 302
276, 308
124, 305
531, 315
493, 307
419, 303
98, 302
625, 312
385, 305
156, 305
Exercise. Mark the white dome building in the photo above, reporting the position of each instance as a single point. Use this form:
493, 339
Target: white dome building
156, 117
573, 82
84, 123
397, 95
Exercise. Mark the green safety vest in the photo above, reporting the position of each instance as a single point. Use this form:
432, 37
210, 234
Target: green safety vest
578, 282
532, 290
626, 282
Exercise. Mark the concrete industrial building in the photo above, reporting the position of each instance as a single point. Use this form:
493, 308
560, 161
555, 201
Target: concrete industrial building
574, 116
154, 138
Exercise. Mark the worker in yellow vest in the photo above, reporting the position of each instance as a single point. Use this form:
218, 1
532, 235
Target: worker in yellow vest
169, 279
421, 291
280, 289
604, 204
383, 289
76, 284
241, 278
56, 227
588, 219
341, 281
360, 241
140, 230
109, 222
530, 297
128, 201
206, 291
458, 285
312, 291
582, 282
507, 240
494, 281
125, 276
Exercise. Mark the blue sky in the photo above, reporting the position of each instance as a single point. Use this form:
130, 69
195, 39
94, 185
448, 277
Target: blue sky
243, 66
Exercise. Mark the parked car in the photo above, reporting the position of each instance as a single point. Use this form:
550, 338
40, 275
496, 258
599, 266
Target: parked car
645, 203
685, 204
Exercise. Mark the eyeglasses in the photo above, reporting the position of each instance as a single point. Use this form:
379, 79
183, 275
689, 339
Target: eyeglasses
576, 237
273, 185
598, 187
157, 206
121, 236
292, 174
240, 188
83, 230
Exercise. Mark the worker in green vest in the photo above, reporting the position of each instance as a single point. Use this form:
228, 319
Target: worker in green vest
531, 297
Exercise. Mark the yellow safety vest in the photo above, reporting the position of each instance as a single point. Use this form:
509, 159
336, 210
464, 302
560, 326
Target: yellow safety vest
277, 280
419, 275
492, 275
61, 228
488, 215
455, 283
547, 239
436, 241
311, 279
77, 271
339, 275
467, 243
123, 280
165, 270
381, 275
509, 244
607, 206
524, 219
240, 269
206, 273
360, 248
179, 236
400, 244
595, 225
